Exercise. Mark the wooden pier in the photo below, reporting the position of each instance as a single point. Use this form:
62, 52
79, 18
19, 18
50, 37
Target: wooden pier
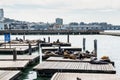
61, 59
7, 63
19, 57
53, 44
9, 75
84, 76
20, 49
78, 67
13, 65
65, 48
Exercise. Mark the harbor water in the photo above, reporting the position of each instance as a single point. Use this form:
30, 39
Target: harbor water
107, 46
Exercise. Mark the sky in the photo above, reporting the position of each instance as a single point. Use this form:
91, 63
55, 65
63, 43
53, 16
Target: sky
70, 10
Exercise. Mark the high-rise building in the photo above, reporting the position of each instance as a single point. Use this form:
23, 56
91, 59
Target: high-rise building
59, 21
1, 15
1, 19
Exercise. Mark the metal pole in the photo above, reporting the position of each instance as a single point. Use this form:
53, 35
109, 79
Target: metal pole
14, 54
68, 38
95, 47
84, 41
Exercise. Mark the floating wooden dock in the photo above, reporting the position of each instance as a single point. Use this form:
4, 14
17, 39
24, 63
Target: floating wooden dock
13, 65
84, 76
61, 59
65, 48
19, 57
53, 44
78, 67
9, 75
7, 63
19, 49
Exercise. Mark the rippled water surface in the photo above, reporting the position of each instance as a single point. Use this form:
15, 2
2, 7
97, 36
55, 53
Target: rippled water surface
107, 45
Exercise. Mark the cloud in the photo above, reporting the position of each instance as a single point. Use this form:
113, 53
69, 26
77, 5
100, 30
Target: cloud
71, 10
66, 4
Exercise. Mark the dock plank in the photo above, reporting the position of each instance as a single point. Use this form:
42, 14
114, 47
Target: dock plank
84, 76
75, 67
67, 60
13, 65
8, 75
56, 48
19, 57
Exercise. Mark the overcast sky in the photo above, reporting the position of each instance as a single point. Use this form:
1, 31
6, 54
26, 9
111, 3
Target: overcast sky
70, 10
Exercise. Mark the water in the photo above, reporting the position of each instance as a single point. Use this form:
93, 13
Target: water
107, 45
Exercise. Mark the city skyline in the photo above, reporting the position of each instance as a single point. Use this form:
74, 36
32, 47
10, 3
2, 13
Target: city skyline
69, 10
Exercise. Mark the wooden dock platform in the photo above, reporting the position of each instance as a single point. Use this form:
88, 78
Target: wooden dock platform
7, 63
65, 48
84, 76
19, 57
61, 59
53, 44
13, 65
9, 75
78, 67
19, 49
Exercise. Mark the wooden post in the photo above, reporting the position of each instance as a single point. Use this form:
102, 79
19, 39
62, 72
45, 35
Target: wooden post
95, 47
14, 54
44, 40
48, 39
84, 41
68, 38
59, 49
30, 49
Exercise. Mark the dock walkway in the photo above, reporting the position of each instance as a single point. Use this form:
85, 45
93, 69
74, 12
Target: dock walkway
9, 75
13, 65
78, 67
84, 76
7, 63
61, 59
19, 57
55, 48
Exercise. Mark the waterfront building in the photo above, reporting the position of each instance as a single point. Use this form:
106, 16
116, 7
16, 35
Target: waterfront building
59, 21
39, 26
1, 26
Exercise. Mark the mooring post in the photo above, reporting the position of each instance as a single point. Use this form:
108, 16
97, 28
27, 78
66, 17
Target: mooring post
48, 39
84, 41
95, 47
44, 40
24, 37
40, 52
14, 54
30, 49
68, 38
